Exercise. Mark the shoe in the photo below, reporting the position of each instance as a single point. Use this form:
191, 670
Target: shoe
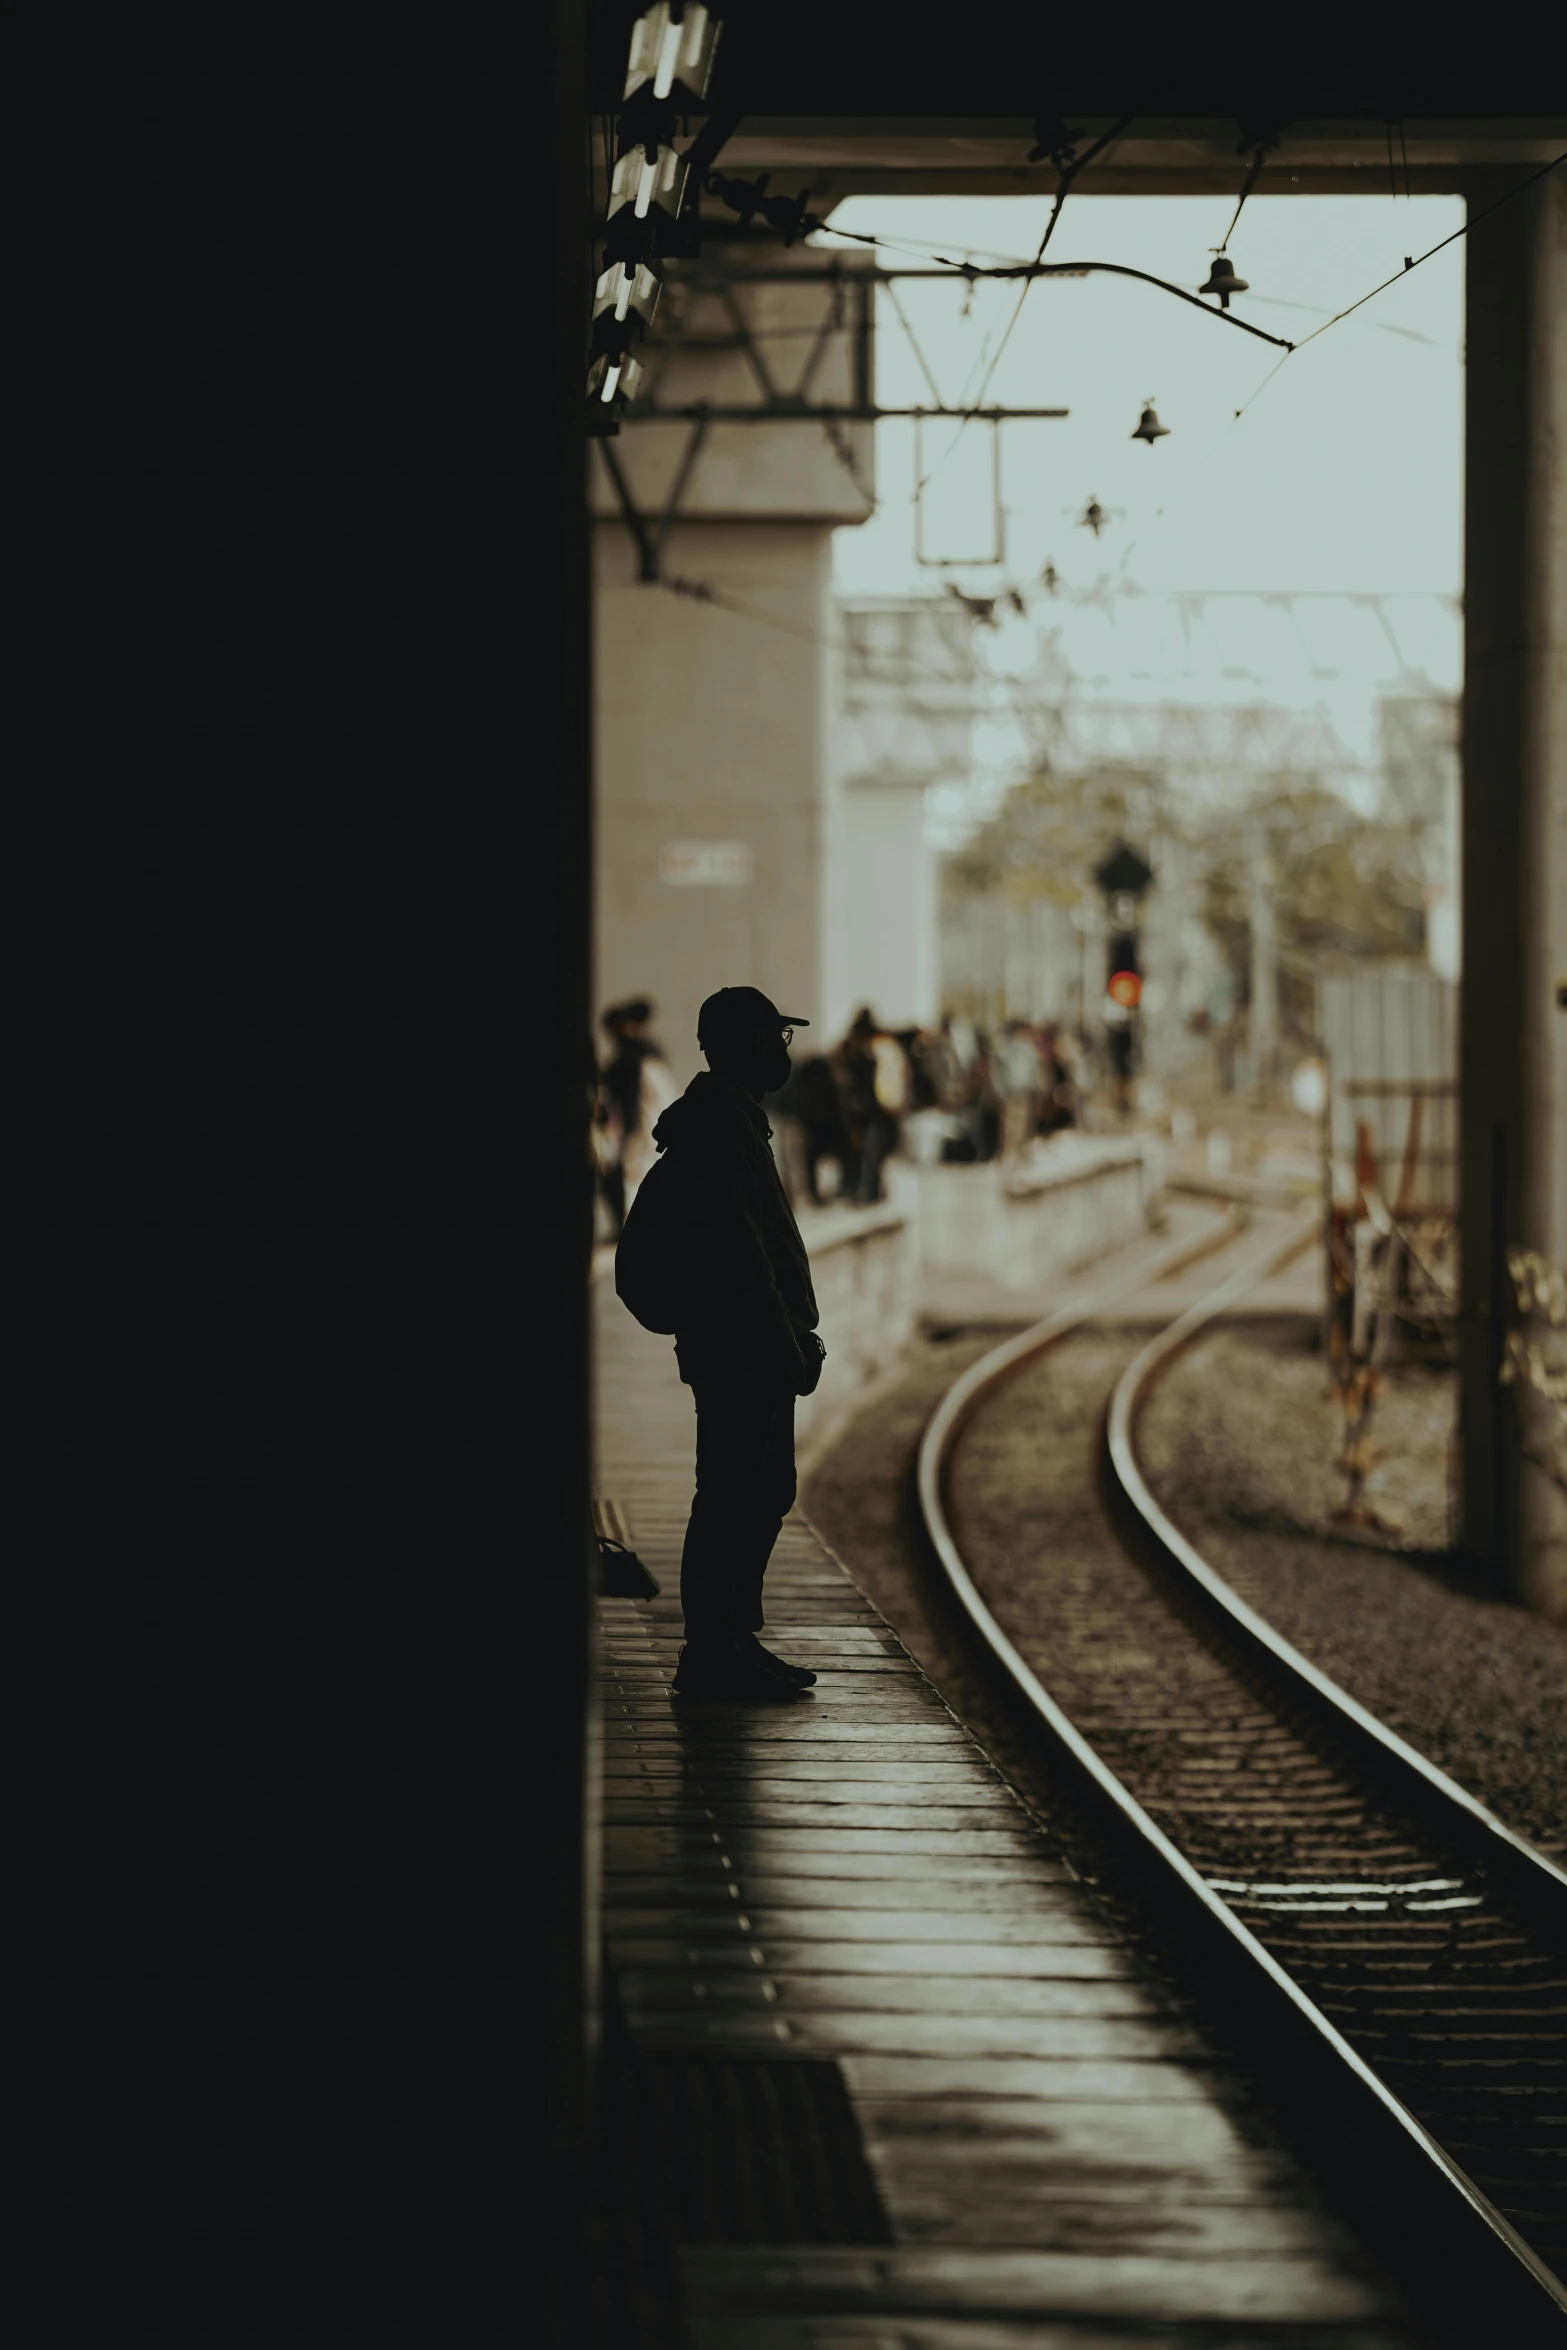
729, 1669
797, 1676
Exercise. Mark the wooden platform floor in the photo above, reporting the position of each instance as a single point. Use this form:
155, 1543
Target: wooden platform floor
1059, 2158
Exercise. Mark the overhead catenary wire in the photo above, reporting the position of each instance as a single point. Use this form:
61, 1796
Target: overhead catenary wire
1506, 197
1026, 270
1147, 278
1261, 388
838, 442
914, 344
1260, 154
1066, 269
1069, 171
703, 593
1010, 698
1399, 275
1008, 265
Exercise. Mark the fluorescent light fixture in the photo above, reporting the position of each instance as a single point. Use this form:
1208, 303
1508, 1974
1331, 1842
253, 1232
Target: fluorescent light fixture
610, 378
644, 184
666, 50
626, 290
668, 59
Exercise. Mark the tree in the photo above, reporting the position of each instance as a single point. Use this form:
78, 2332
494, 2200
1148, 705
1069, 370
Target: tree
1051, 831
1345, 884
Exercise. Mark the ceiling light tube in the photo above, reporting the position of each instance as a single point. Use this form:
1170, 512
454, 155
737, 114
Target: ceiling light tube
668, 59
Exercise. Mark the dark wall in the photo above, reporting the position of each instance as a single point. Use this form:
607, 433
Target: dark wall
315, 766
875, 57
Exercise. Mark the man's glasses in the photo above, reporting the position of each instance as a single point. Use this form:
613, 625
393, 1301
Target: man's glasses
788, 1035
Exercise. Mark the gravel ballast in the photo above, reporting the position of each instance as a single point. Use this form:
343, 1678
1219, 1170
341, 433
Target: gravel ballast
1238, 1443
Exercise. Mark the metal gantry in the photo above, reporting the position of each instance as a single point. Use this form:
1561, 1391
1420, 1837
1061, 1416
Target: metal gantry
845, 326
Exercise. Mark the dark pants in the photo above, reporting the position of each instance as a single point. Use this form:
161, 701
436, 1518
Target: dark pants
744, 1491
880, 1141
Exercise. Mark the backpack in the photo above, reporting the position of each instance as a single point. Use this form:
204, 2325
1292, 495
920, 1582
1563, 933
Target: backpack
648, 1256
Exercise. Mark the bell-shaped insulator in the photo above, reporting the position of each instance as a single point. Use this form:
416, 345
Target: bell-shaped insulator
1223, 281
1149, 428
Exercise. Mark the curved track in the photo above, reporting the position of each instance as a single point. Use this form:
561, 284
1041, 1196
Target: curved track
1391, 1948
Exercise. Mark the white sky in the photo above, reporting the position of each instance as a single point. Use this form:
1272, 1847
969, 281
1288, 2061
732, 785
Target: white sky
1345, 475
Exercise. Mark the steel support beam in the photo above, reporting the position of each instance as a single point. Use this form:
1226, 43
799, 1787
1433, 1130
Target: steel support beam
820, 412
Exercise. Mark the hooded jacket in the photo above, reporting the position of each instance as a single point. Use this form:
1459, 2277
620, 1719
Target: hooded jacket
743, 1288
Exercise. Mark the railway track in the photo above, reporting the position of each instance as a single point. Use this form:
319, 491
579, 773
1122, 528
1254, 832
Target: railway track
1389, 1954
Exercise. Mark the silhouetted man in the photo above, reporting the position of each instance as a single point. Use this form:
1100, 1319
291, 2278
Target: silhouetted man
744, 1319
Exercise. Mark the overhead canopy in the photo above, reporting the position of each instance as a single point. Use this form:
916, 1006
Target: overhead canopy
873, 96
1190, 155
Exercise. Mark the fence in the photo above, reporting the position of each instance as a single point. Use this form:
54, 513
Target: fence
1390, 1031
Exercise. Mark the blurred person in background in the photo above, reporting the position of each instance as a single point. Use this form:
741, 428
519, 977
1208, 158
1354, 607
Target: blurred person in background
873, 1078
811, 1132
894, 1091
854, 1074
604, 1139
962, 1043
638, 1088
1121, 1050
980, 1108
944, 1063
927, 1123
1059, 1106
918, 1050
958, 1063
782, 1112
1018, 1078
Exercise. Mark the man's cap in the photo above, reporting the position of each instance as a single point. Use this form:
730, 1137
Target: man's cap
736, 1012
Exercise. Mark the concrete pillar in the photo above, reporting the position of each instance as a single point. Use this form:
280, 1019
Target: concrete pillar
1513, 1027
882, 909
711, 747
712, 708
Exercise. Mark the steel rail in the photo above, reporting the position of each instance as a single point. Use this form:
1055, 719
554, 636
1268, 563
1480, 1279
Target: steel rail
1521, 1865
1474, 2250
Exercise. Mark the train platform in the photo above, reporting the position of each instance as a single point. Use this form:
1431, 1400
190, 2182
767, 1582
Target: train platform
899, 2078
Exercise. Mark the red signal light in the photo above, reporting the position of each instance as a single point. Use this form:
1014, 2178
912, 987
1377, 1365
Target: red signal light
1126, 989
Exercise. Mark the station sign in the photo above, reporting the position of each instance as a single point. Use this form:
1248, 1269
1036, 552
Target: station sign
706, 864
